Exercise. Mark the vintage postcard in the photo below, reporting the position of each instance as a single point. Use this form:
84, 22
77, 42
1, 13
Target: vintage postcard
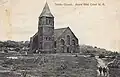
59, 38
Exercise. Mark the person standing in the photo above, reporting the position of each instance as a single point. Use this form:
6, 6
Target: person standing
100, 70
104, 71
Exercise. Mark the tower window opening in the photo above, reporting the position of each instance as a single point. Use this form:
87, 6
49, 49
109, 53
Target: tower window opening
55, 44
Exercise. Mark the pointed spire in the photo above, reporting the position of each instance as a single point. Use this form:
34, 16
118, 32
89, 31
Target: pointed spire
46, 11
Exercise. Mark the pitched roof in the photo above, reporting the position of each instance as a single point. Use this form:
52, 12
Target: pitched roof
58, 32
46, 11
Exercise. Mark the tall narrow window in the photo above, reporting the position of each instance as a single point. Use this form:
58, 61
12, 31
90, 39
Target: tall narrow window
73, 42
50, 21
68, 39
40, 45
46, 38
43, 21
47, 21
55, 44
62, 42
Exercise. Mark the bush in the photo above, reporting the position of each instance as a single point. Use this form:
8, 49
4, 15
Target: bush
113, 57
101, 56
17, 49
92, 55
6, 51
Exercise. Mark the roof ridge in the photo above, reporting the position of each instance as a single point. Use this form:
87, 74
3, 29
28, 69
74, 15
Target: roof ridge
61, 28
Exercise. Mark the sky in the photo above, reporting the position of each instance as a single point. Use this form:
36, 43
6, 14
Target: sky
93, 25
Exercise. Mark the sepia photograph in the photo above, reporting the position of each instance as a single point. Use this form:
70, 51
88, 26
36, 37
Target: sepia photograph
59, 38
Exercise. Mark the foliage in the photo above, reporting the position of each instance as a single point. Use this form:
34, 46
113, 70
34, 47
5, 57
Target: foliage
101, 56
17, 49
15, 45
92, 55
88, 50
53, 65
6, 51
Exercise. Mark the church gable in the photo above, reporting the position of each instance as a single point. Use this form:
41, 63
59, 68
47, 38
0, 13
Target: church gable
66, 32
66, 41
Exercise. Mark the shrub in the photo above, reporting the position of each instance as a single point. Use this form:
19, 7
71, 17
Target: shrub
6, 51
92, 55
101, 56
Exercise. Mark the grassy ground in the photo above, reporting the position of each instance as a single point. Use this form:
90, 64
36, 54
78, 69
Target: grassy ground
53, 65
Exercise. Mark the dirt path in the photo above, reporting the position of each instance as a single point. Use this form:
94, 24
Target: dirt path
100, 63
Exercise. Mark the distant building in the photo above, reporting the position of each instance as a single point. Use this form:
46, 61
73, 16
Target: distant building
48, 39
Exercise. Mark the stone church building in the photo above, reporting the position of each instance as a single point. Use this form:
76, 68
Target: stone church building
49, 40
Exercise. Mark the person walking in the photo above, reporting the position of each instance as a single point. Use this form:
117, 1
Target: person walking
100, 70
104, 71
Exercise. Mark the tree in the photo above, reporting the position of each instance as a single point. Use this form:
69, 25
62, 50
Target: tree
95, 47
92, 55
17, 49
6, 51
101, 56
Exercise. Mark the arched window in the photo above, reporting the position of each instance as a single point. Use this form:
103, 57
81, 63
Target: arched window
73, 42
62, 42
43, 21
50, 38
46, 38
68, 39
55, 44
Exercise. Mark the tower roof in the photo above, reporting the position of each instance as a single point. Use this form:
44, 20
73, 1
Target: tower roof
46, 11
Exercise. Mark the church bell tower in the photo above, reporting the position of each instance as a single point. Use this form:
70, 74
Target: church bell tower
46, 31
